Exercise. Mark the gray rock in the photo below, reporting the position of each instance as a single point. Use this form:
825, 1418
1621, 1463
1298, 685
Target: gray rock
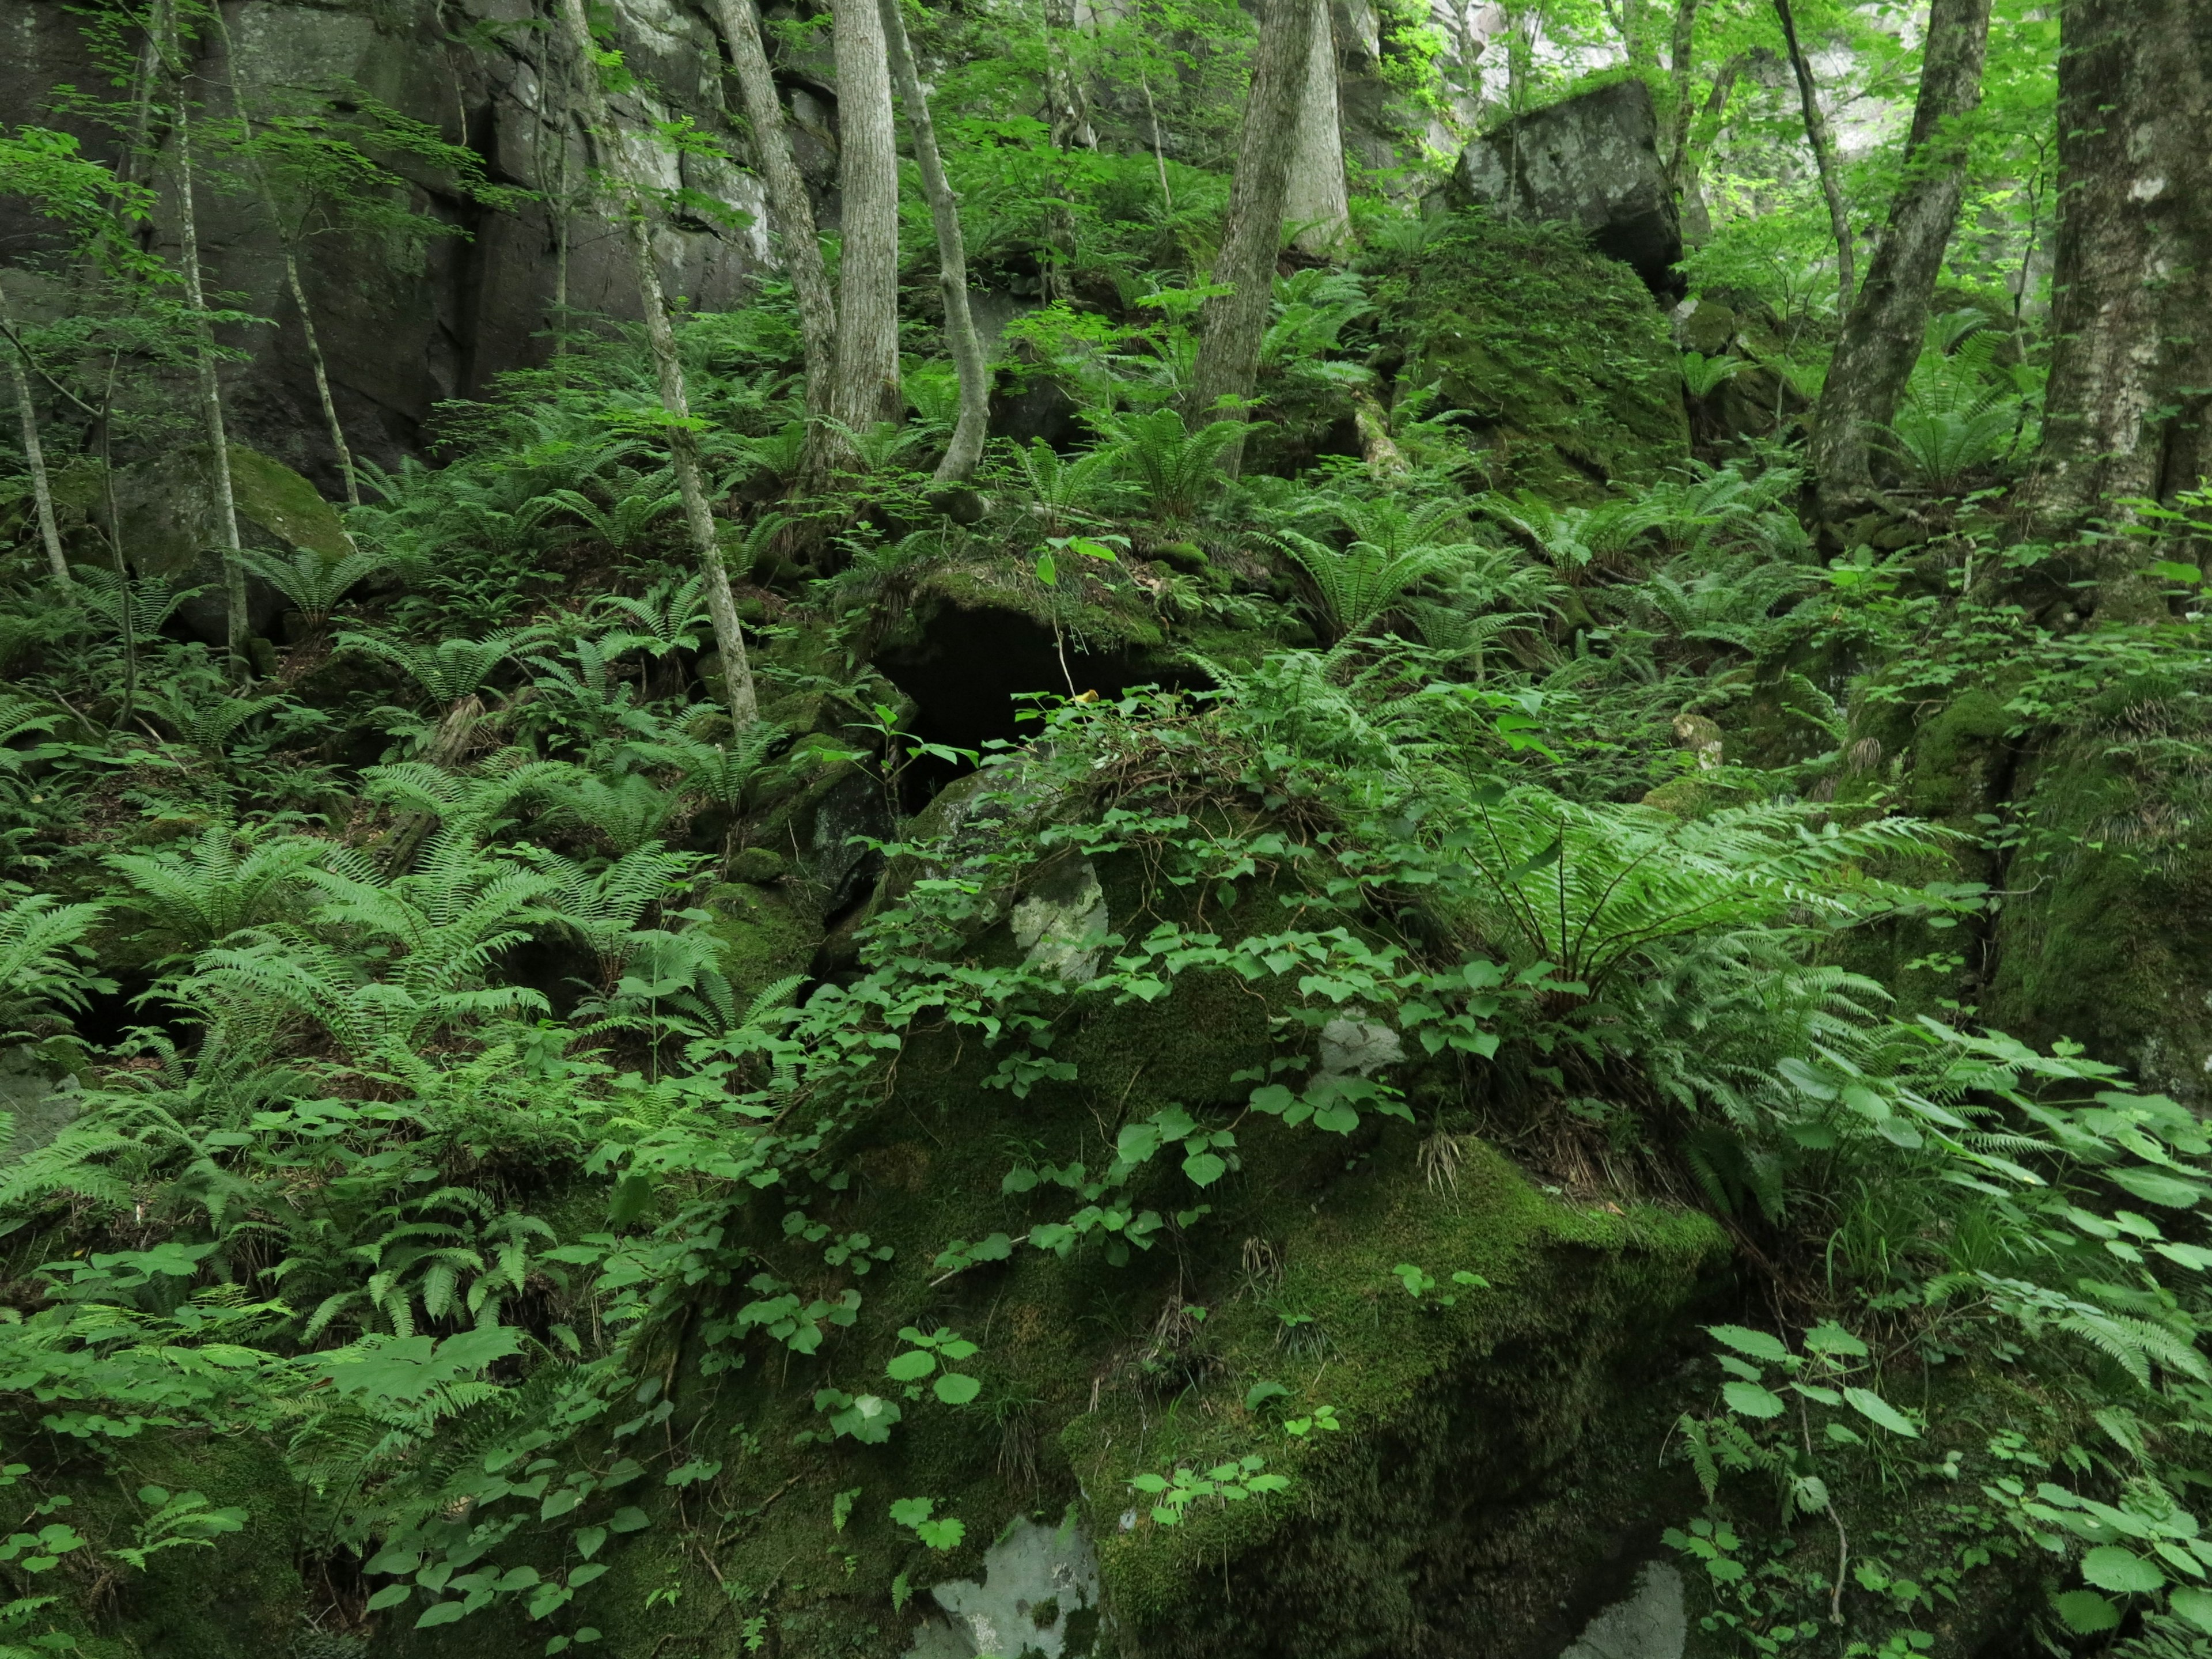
1036, 1579
38, 1103
1591, 160
1650, 1625
1061, 919
406, 327
1358, 1047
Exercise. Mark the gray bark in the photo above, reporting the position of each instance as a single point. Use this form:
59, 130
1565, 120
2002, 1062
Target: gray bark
1697, 222
1881, 337
1823, 158
211, 389
967, 446
789, 206
668, 370
866, 387
1233, 325
290, 244
42, 495
1679, 64
2126, 411
1315, 200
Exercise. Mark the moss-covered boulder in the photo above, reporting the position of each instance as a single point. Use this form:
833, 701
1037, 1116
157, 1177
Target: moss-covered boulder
170, 527
1563, 365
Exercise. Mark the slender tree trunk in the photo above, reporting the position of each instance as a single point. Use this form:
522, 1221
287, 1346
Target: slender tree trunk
865, 386
668, 369
290, 246
1881, 337
1233, 325
1679, 64
790, 208
211, 389
1159, 151
1315, 198
42, 495
2125, 416
1697, 222
1823, 158
967, 446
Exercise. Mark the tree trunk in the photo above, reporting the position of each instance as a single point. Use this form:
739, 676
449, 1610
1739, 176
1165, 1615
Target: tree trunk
42, 495
1678, 64
211, 389
1697, 222
790, 208
668, 369
1823, 158
967, 446
1315, 200
2125, 414
1882, 338
1233, 325
866, 387
290, 246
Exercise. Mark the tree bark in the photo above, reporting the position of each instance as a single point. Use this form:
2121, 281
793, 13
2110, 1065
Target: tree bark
967, 446
211, 389
1882, 334
866, 387
1315, 200
1678, 64
1233, 325
1823, 158
668, 370
42, 495
790, 208
1697, 222
2126, 411
290, 244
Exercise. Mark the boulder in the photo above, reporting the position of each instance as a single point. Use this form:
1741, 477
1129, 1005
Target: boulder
168, 506
1591, 160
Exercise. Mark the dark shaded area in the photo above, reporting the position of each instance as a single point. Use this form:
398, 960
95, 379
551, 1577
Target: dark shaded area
973, 673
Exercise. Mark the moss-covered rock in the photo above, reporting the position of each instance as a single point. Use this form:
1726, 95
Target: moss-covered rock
1557, 355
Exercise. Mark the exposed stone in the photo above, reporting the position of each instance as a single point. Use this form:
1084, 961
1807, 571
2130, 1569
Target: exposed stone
38, 1104
409, 325
1650, 1625
1062, 920
1038, 1584
168, 506
1593, 162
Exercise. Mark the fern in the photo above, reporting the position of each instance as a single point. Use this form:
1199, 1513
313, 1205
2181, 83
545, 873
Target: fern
315, 584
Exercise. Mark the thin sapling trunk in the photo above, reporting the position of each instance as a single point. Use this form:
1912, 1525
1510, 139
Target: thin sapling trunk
42, 495
967, 446
1823, 158
668, 370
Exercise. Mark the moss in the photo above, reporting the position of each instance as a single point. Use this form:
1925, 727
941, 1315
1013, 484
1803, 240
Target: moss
285, 504
1511, 1389
1555, 352
760, 935
2105, 937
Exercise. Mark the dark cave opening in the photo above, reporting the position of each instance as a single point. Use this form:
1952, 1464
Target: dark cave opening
973, 674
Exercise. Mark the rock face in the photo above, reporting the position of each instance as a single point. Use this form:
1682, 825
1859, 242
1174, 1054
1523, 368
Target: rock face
1593, 162
417, 322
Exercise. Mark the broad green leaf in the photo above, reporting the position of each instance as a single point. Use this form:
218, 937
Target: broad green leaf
1828, 1337
627, 1520
2122, 1572
2194, 1605
441, 1612
587, 1540
911, 1366
955, 1389
1204, 1168
1879, 1412
2157, 1187
389, 1597
1749, 1400
2085, 1612
1758, 1344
